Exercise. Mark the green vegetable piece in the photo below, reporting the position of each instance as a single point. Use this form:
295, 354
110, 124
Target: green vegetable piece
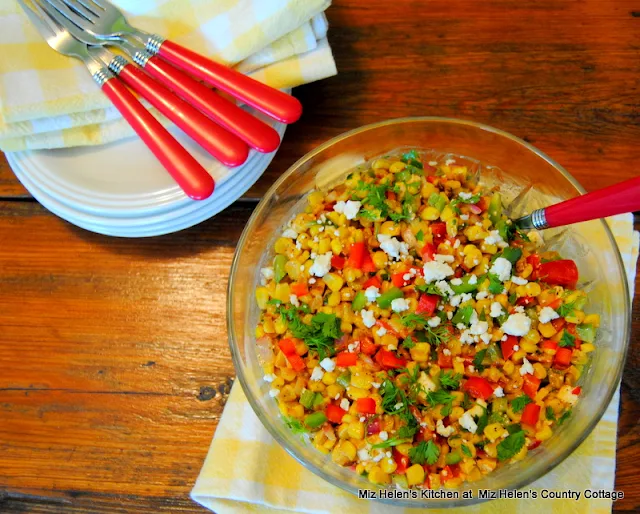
318, 400
278, 267
505, 229
511, 254
499, 404
463, 315
567, 339
436, 200
495, 209
400, 481
345, 379
307, 398
482, 421
511, 445
564, 417
586, 333
466, 286
403, 176
466, 451
495, 286
420, 236
515, 427
477, 360
427, 452
517, 405
453, 458
494, 352
449, 380
385, 299
550, 415
315, 420
359, 302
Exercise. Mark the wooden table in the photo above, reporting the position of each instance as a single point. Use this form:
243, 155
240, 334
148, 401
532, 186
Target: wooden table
113, 352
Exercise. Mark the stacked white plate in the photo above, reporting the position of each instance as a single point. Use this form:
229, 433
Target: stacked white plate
120, 189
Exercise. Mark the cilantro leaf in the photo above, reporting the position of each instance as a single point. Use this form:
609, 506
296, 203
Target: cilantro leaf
274, 301
414, 321
477, 360
370, 214
427, 452
320, 335
295, 425
482, 421
463, 315
408, 343
449, 380
466, 451
420, 235
511, 445
429, 289
495, 286
566, 309
567, 339
440, 397
564, 417
550, 414
412, 158
517, 405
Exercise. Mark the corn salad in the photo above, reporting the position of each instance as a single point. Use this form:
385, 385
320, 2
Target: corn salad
415, 334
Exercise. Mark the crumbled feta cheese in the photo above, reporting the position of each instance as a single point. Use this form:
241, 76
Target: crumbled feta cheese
362, 419
378, 457
321, 229
321, 265
461, 326
336, 396
566, 394
457, 243
486, 338
444, 431
446, 351
398, 406
526, 368
498, 392
269, 378
471, 369
367, 318
444, 287
434, 271
293, 300
519, 308
337, 233
517, 324
349, 208
266, 274
464, 195
482, 295
274, 392
473, 279
381, 331
425, 381
479, 327
344, 404
494, 238
464, 217
433, 322
444, 258
501, 268
399, 305
456, 281
327, 364
298, 245
519, 281
449, 315
372, 293
547, 314
459, 299
376, 385
516, 347
496, 310
392, 247
351, 347
383, 435
290, 234
311, 280
363, 454
317, 374
504, 337
467, 422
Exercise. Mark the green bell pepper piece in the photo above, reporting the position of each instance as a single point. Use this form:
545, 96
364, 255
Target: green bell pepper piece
345, 379
511, 254
465, 287
278, 267
453, 458
586, 333
315, 420
307, 399
359, 302
385, 299
463, 315
436, 200
495, 209
318, 400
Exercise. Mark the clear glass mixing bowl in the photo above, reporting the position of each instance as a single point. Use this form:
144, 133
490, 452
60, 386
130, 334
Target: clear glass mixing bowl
505, 159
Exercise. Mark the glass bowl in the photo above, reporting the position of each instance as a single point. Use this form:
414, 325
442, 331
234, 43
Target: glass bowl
531, 180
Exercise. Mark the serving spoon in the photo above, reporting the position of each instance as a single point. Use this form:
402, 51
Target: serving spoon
617, 199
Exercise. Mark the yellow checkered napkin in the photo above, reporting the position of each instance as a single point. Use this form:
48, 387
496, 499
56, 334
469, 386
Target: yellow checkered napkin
50, 101
247, 471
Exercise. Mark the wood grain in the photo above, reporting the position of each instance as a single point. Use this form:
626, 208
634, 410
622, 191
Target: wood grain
114, 355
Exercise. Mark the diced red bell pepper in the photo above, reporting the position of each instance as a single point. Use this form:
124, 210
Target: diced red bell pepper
398, 279
391, 195
390, 329
445, 361
458, 272
555, 303
478, 387
562, 357
388, 359
368, 266
375, 281
427, 304
446, 474
287, 345
534, 444
534, 260
549, 344
296, 361
329, 206
366, 405
577, 390
483, 203
346, 359
428, 252
560, 273
507, 347
335, 413
367, 346
402, 462
338, 261
530, 414
439, 231
558, 324
299, 289
530, 385
526, 301
356, 255
432, 178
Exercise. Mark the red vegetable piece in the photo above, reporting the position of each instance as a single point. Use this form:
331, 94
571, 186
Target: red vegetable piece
562, 357
534, 260
368, 265
483, 203
367, 346
507, 347
439, 231
530, 385
534, 444
445, 361
549, 344
555, 303
525, 301
287, 345
337, 261
299, 289
433, 179
563, 272
388, 359
427, 304
296, 361
373, 281
398, 279
558, 324
478, 387
428, 252
577, 390
366, 405
530, 414
402, 461
335, 413
391, 195
446, 474
356, 255
346, 359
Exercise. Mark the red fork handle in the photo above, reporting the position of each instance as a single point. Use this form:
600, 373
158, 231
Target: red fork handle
223, 145
250, 129
185, 170
274, 103
616, 199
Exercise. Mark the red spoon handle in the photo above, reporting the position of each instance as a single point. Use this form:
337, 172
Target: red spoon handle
254, 132
616, 199
185, 170
274, 103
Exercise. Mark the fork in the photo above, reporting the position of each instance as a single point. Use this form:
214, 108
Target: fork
105, 21
185, 170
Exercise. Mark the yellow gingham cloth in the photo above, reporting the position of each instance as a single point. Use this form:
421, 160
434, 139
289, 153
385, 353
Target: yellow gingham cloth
247, 471
50, 101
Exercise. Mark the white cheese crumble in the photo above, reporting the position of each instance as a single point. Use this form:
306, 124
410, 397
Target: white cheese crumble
433, 322
349, 208
444, 431
460, 298
425, 381
311, 280
443, 258
434, 271
467, 422
464, 217
363, 454
473, 280
269, 378
444, 287
486, 338
327, 364
449, 315
566, 394
383, 435
496, 310
367, 318
399, 305
526, 368
547, 314
381, 331
456, 281
398, 406
317, 374
344, 404
519, 281
293, 300
372, 293
266, 274
392, 247
517, 324
482, 295
494, 238
321, 265
446, 351
464, 195
498, 392
516, 347
456, 244
290, 234
501, 268
274, 392
449, 162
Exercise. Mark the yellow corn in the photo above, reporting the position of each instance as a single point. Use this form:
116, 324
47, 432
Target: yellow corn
528, 346
282, 293
429, 213
576, 317
296, 410
539, 371
487, 465
262, 297
268, 327
390, 228
447, 214
334, 390
343, 453
381, 164
334, 299
494, 431
508, 368
587, 347
287, 393
361, 380
532, 289
351, 274
532, 336
547, 330
389, 340
456, 414
521, 454
544, 433
415, 475
475, 233
427, 189
421, 352
388, 465
397, 166
333, 281
356, 430
458, 366
329, 378
282, 245
355, 392
404, 448
592, 319
316, 387
377, 476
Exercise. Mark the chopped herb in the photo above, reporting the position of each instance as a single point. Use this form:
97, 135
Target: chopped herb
466, 451
427, 452
441, 397
522, 236
513, 298
566, 309
567, 339
466, 401
550, 414
511, 445
295, 425
564, 417
497, 417
370, 214
449, 380
320, 335
420, 236
482, 421
429, 289
477, 360
408, 343
495, 286
511, 254
463, 315
517, 405
274, 301
410, 155
515, 427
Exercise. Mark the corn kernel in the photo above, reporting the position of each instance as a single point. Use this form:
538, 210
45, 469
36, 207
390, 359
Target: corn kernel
508, 368
494, 431
487, 465
454, 482
475, 233
458, 366
521, 454
539, 371
528, 346
280, 326
361, 380
356, 430
268, 327
456, 414
390, 228
592, 319
343, 453
547, 330
421, 352
415, 475
429, 213
544, 433
587, 347
381, 164
316, 387
388, 465
296, 411
447, 214
397, 166
355, 393
377, 476
576, 317
334, 299
262, 297
282, 293
333, 281
334, 390
329, 378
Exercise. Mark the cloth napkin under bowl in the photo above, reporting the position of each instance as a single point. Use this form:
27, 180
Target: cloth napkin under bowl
247, 471
50, 101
